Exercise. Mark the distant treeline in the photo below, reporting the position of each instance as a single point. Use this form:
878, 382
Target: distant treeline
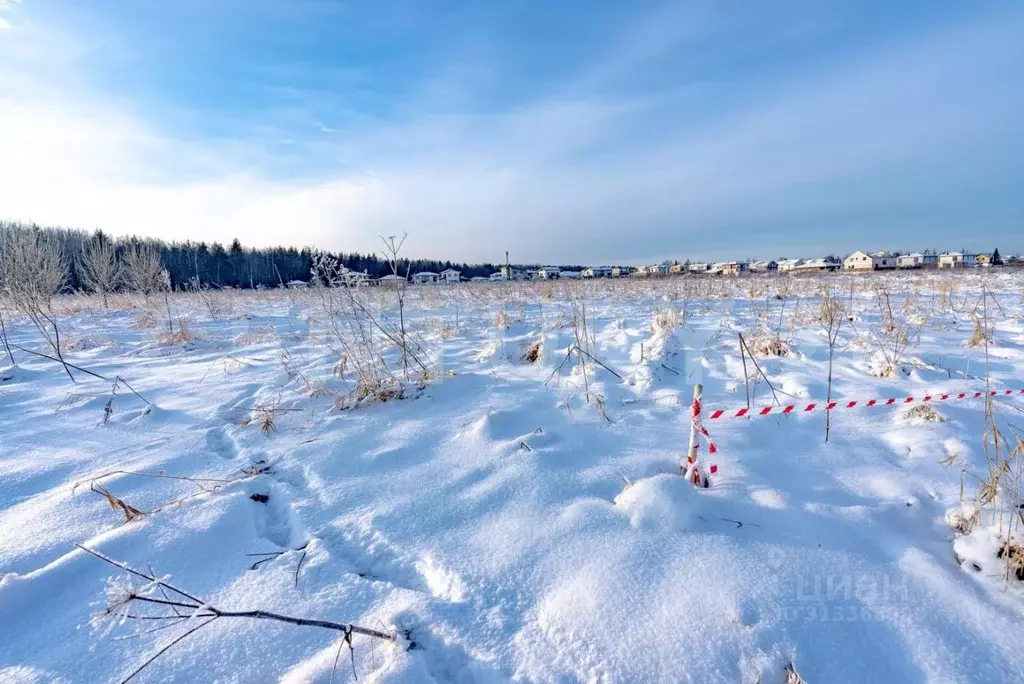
237, 266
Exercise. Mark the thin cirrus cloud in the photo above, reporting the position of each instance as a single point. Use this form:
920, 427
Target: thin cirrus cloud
687, 132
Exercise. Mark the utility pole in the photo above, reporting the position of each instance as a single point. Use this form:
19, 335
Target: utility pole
508, 267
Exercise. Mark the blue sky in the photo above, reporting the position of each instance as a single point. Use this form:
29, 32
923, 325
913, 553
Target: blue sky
569, 132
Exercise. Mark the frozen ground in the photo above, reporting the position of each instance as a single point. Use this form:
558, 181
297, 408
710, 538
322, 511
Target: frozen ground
516, 530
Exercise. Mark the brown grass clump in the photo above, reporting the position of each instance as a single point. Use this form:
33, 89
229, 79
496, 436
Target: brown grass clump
533, 353
767, 344
1013, 556
981, 336
502, 320
924, 412
263, 415
183, 335
145, 320
964, 519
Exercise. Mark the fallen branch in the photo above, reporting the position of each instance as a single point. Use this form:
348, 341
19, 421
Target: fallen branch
195, 607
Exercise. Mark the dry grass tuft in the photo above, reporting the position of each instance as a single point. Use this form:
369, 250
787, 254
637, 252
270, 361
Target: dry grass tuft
924, 412
1013, 556
666, 320
145, 320
792, 676
263, 415
130, 512
964, 519
533, 353
981, 336
771, 345
183, 335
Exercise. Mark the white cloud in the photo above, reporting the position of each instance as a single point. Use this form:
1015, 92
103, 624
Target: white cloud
534, 179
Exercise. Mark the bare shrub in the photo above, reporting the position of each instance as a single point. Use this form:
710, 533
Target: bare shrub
666, 320
897, 332
831, 316
99, 268
183, 335
360, 334
34, 271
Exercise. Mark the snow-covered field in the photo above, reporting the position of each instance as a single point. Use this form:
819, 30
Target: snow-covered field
514, 520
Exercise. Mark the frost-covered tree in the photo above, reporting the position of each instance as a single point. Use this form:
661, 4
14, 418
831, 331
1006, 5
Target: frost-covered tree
143, 272
98, 267
34, 271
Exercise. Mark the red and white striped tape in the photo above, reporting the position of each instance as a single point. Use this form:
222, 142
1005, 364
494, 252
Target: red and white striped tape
832, 405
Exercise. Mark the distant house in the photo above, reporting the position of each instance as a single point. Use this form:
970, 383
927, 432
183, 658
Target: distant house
479, 279
650, 270
391, 279
676, 269
597, 272
912, 260
297, 284
496, 276
450, 275
884, 261
549, 273
983, 260
700, 267
359, 279
930, 259
951, 260
859, 261
512, 273
622, 271
786, 265
815, 266
569, 275
424, 277
764, 267
730, 268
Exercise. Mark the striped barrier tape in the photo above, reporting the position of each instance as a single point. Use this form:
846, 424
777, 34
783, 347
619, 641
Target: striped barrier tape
832, 405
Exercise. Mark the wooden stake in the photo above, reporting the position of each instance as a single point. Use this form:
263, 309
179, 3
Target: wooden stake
691, 454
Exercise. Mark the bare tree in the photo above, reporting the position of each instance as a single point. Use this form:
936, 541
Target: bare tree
99, 268
35, 270
142, 270
4, 230
145, 275
392, 248
831, 315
